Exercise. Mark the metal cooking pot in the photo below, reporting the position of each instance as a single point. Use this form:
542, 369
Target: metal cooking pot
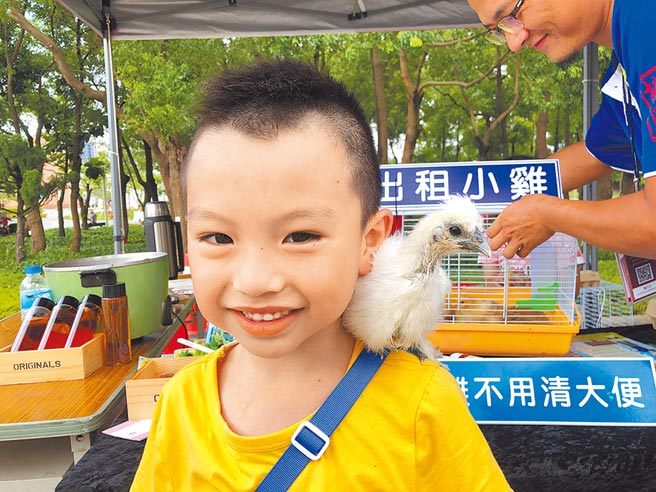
145, 276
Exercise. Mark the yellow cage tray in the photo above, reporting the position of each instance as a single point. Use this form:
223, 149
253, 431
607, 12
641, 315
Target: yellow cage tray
507, 339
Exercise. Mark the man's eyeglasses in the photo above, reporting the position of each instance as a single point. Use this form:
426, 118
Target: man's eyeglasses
509, 24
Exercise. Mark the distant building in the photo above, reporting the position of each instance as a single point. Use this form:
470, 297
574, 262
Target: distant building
90, 150
48, 171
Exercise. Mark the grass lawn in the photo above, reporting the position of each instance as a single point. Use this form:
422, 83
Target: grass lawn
95, 242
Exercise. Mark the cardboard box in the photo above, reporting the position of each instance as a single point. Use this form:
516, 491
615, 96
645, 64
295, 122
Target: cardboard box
590, 278
143, 388
651, 312
37, 366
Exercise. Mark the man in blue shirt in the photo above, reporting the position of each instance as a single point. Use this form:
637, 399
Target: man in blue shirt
622, 134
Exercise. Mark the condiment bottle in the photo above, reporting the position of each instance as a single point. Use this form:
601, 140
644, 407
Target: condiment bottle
118, 349
59, 324
33, 325
88, 321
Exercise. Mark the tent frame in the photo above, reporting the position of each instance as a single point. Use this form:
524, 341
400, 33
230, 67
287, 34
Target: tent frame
449, 12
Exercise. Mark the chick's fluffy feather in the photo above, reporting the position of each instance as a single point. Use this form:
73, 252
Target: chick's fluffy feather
399, 302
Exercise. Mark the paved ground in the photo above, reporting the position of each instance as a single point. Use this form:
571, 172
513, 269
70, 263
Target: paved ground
50, 219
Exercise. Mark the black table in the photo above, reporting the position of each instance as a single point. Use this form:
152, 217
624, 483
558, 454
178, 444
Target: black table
535, 458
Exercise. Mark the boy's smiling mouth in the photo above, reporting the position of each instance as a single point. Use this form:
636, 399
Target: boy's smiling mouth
264, 321
265, 316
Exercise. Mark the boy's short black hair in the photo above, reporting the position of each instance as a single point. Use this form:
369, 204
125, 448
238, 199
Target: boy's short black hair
263, 99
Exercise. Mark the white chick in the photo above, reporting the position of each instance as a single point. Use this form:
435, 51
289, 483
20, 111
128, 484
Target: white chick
400, 301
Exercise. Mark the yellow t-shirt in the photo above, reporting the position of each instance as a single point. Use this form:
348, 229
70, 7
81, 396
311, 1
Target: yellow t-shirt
410, 430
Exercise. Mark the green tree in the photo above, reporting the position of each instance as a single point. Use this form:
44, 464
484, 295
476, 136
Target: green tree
21, 171
24, 96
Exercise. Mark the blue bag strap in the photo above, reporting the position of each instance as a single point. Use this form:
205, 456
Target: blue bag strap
312, 437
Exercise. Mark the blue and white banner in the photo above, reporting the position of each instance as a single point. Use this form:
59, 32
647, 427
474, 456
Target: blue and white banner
491, 185
567, 391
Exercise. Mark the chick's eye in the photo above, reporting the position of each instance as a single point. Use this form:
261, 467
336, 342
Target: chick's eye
301, 237
219, 238
455, 230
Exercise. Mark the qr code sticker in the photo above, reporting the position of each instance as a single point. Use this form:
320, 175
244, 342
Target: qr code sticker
644, 273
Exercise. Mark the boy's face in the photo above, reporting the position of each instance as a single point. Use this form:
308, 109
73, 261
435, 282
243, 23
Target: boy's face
275, 237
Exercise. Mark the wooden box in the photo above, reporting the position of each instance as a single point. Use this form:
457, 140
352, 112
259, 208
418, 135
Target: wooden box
590, 278
37, 366
143, 388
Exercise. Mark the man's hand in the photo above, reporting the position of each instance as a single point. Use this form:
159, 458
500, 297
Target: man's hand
522, 225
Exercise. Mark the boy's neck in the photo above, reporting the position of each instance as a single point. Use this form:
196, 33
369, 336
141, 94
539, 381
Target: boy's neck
260, 396
313, 357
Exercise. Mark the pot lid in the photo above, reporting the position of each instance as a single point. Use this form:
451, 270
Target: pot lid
107, 261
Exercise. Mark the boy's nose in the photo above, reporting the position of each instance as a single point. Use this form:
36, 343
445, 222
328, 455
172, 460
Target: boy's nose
256, 274
516, 40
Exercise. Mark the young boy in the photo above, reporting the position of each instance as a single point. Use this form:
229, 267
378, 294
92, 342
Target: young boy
283, 189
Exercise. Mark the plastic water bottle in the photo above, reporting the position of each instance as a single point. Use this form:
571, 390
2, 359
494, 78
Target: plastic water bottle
32, 287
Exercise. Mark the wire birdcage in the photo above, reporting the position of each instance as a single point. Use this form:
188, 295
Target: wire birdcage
604, 306
537, 290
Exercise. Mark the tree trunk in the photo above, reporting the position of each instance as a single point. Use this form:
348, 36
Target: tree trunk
36, 230
483, 149
499, 105
541, 150
135, 172
605, 187
150, 188
412, 129
76, 169
541, 127
124, 187
443, 142
83, 200
61, 232
76, 236
20, 229
626, 184
381, 105
169, 155
10, 57
566, 129
556, 136
413, 97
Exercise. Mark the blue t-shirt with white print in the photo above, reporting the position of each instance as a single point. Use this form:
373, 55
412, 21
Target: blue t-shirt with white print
609, 135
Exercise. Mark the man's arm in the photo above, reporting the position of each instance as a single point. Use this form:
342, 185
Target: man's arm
625, 224
579, 167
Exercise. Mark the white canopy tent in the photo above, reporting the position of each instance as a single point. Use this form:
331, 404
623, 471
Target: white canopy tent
160, 19
169, 19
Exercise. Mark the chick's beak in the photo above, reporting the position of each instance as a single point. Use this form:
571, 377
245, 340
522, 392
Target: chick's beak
477, 243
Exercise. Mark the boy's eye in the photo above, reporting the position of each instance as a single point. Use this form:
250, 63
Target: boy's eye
217, 239
301, 237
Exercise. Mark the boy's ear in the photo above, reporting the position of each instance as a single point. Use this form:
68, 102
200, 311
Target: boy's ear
377, 229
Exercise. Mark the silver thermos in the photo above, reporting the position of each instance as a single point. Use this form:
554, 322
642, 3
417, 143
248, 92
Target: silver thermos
164, 235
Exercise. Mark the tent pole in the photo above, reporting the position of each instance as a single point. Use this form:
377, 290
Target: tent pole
117, 196
590, 106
